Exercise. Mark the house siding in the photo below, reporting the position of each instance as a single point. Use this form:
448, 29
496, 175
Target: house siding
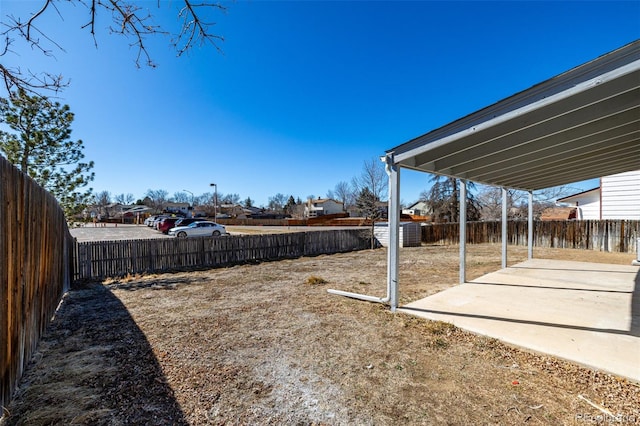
589, 206
621, 196
331, 207
417, 209
321, 207
587, 203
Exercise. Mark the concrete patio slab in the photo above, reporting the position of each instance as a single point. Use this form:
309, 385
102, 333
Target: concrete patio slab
587, 313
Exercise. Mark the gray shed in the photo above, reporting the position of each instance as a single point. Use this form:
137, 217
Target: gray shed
410, 234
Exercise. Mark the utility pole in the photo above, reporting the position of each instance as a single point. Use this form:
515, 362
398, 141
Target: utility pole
185, 190
215, 201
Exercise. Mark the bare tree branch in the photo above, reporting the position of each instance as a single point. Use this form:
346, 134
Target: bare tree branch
127, 18
131, 22
194, 29
16, 79
92, 23
24, 32
34, 17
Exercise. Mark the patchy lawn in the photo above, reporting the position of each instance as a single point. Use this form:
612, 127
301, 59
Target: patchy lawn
266, 344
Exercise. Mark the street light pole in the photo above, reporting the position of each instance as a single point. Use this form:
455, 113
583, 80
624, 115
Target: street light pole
215, 201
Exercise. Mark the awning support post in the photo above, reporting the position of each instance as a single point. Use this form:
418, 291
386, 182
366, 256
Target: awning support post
393, 257
530, 226
393, 260
463, 230
505, 232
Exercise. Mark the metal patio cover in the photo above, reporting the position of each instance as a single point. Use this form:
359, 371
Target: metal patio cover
582, 124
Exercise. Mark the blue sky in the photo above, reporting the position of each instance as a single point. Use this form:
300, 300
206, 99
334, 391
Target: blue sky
305, 92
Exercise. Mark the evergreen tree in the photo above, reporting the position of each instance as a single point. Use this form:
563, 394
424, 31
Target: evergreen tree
40, 146
444, 200
289, 207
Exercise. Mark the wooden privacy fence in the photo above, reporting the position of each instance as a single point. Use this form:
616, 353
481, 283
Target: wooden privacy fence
34, 269
101, 259
603, 235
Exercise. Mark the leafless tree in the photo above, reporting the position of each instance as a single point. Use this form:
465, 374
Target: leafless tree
367, 203
157, 199
102, 198
490, 198
343, 192
373, 177
128, 18
204, 199
277, 202
181, 197
545, 198
124, 198
231, 198
103, 202
297, 210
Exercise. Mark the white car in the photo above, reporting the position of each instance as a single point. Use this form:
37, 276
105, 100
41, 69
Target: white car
198, 229
149, 221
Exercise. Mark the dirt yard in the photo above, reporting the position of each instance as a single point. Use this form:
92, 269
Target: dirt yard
266, 344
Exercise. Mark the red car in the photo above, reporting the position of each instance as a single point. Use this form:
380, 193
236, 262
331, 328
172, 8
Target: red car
167, 223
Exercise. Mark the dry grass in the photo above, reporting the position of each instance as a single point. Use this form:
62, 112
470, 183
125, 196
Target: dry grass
266, 344
313, 280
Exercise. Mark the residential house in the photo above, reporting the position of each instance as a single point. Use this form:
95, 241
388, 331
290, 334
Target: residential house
586, 203
419, 208
617, 197
322, 206
252, 211
179, 208
231, 210
115, 211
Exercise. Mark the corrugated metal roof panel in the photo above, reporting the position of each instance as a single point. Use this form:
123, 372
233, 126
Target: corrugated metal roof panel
582, 124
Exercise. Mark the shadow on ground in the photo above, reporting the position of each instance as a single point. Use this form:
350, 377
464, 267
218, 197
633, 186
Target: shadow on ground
94, 366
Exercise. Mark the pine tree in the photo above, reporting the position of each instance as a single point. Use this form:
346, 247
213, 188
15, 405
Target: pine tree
40, 146
444, 200
290, 206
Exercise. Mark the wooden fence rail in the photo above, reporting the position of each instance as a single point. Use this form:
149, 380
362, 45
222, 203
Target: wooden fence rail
603, 235
35, 270
102, 259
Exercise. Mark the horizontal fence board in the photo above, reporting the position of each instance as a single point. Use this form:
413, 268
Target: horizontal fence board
104, 259
602, 235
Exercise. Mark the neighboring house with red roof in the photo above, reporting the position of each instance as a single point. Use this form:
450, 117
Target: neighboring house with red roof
558, 213
587, 204
617, 197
